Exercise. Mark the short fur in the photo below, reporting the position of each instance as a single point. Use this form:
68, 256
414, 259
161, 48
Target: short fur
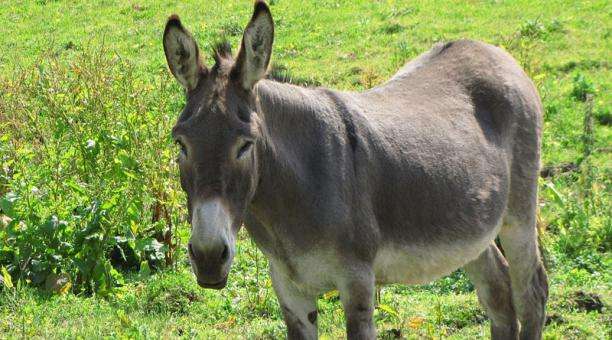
405, 182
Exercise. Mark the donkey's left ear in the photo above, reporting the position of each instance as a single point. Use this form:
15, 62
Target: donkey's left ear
256, 47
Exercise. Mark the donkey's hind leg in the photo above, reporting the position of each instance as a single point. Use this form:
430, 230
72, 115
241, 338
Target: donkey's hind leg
527, 275
489, 274
519, 240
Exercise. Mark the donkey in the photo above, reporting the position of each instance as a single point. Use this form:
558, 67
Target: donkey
402, 183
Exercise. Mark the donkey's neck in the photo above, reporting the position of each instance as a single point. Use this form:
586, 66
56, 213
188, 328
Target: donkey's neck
297, 124
289, 117
284, 104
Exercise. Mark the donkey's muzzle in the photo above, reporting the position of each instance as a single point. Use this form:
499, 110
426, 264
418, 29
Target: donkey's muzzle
211, 266
211, 245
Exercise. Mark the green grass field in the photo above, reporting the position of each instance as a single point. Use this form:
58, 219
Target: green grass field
92, 219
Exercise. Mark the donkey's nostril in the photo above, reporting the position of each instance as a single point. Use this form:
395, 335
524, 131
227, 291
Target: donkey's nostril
225, 253
223, 257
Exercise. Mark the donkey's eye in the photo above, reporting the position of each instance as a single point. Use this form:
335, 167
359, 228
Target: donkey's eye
244, 116
244, 149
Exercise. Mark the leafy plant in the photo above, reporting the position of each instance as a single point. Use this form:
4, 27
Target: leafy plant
583, 227
582, 87
81, 199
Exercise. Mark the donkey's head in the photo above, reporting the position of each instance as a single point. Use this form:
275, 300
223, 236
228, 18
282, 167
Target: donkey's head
217, 133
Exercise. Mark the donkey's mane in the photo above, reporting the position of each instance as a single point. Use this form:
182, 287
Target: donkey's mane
281, 74
222, 54
222, 51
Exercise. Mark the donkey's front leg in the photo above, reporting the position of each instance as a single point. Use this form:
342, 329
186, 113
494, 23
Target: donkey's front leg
357, 295
299, 308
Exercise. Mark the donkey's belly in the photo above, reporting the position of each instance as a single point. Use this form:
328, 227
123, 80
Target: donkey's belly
419, 264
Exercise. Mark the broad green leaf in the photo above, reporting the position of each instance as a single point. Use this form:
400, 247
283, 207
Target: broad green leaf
7, 280
75, 186
145, 271
556, 194
388, 309
331, 294
7, 204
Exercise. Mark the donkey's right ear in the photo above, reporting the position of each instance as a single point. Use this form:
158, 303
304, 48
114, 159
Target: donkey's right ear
182, 54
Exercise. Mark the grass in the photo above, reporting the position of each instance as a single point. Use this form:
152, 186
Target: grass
87, 103
171, 305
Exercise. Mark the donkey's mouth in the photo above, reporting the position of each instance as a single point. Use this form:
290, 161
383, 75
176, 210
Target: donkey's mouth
214, 285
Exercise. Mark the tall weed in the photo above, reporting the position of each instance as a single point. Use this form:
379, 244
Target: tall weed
86, 158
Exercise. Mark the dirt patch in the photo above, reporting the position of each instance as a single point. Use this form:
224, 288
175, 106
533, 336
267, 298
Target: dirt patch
587, 302
553, 170
555, 319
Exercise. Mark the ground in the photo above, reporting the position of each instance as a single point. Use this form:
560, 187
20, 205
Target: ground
116, 45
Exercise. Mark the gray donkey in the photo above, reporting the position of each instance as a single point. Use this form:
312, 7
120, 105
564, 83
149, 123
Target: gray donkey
402, 183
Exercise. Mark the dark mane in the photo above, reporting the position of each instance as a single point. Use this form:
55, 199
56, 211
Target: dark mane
222, 54
281, 74
222, 51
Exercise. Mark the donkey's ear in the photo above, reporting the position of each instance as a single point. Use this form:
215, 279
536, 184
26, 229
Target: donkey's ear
256, 48
182, 54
